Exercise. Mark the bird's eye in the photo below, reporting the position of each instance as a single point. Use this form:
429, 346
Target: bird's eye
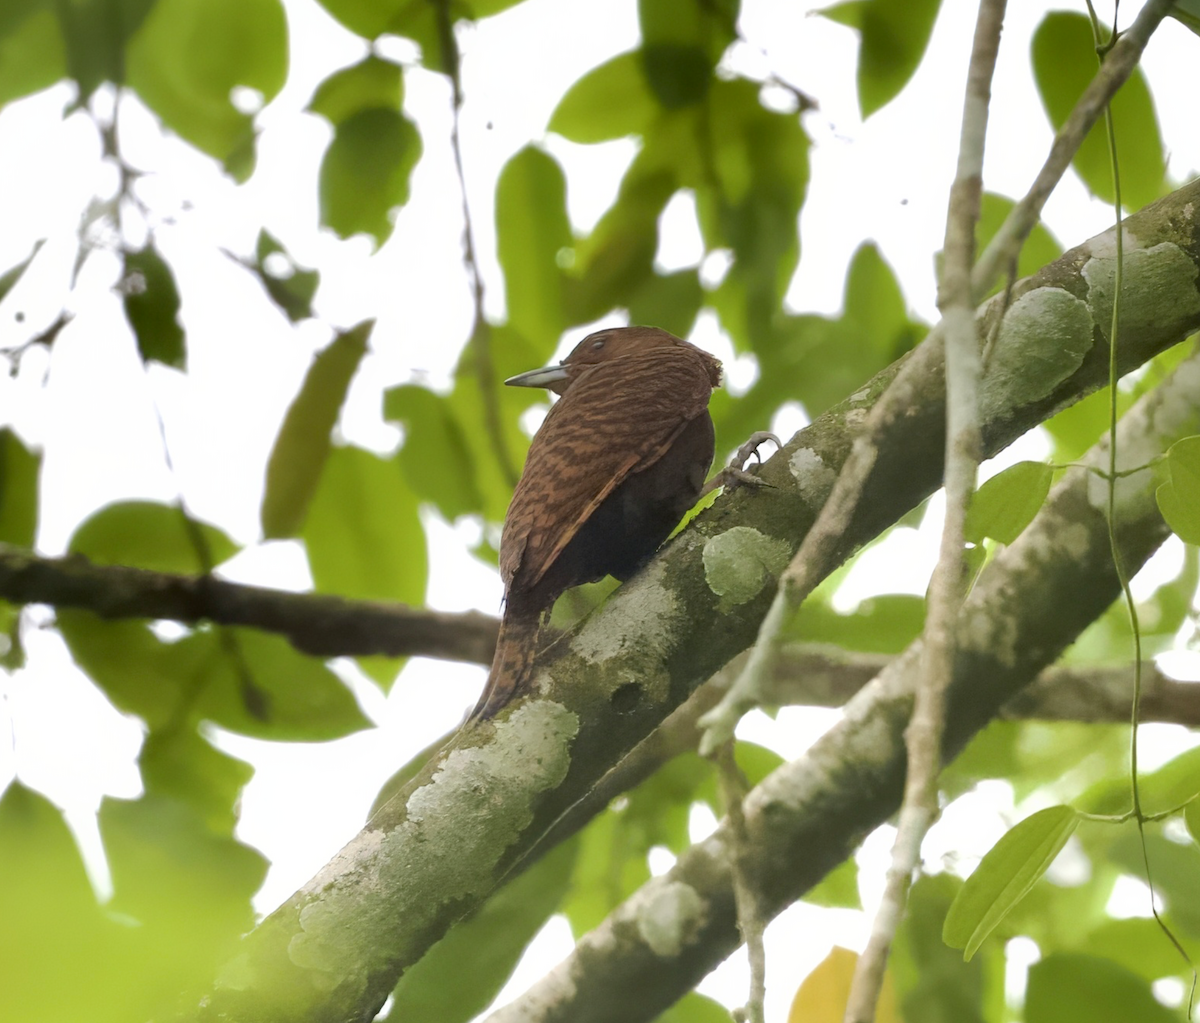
597, 345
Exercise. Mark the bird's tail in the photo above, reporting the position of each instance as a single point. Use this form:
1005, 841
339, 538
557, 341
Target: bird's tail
516, 648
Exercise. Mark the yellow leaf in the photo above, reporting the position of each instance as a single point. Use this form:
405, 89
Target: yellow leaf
822, 995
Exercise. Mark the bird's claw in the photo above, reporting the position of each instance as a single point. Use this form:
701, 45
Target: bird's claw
755, 441
735, 474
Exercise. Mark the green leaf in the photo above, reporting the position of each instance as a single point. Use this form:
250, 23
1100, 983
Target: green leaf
894, 34
486, 8
138, 672
364, 177
12, 651
96, 33
157, 537
1188, 13
289, 285
33, 55
510, 353
1175, 867
678, 75
294, 698
436, 458
1179, 497
1136, 943
884, 624
1033, 754
1163, 790
1064, 62
190, 55
364, 537
370, 84
367, 18
249, 682
838, 888
749, 202
188, 889
610, 867
1040, 249
492, 941
694, 1008
1005, 875
62, 956
682, 40
1066, 987
1172, 785
298, 457
932, 981
531, 231
1008, 502
1191, 817
405, 773
614, 263
609, 102
873, 301
1077, 427
706, 25
19, 472
151, 302
9, 278
670, 301
181, 765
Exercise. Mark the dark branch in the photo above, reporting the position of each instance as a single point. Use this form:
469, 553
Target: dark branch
317, 624
328, 626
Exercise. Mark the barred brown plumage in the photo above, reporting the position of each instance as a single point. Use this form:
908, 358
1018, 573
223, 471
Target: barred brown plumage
617, 462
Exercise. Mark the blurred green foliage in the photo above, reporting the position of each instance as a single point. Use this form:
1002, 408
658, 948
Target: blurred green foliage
181, 879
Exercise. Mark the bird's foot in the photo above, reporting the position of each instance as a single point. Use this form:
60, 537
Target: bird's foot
735, 474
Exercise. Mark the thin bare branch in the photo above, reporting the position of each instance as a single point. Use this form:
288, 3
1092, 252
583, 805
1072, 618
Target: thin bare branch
317, 624
481, 331
821, 545
947, 589
1002, 251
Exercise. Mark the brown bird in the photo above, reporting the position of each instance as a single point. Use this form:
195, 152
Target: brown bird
617, 462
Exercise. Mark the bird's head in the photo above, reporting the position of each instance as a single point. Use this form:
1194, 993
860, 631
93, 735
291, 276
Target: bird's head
608, 346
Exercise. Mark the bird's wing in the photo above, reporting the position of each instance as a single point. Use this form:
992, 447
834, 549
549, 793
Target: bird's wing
616, 419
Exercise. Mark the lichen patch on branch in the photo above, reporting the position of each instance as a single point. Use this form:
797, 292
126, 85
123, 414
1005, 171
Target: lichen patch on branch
1159, 284
647, 618
1043, 340
739, 561
669, 918
477, 803
816, 479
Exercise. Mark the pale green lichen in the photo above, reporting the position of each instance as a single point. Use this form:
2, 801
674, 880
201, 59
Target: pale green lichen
647, 618
668, 917
739, 561
457, 828
813, 476
1042, 341
1158, 286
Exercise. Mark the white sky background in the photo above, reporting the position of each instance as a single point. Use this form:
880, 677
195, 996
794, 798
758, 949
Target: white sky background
95, 418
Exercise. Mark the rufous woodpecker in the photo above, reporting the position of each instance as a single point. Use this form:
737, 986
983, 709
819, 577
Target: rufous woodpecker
619, 459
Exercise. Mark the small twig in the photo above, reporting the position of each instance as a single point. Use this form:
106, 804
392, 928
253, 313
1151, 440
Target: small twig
1119, 65
1102, 50
821, 544
923, 737
317, 624
750, 920
481, 331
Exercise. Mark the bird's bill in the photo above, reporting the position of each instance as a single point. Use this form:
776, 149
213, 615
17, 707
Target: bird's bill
547, 376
